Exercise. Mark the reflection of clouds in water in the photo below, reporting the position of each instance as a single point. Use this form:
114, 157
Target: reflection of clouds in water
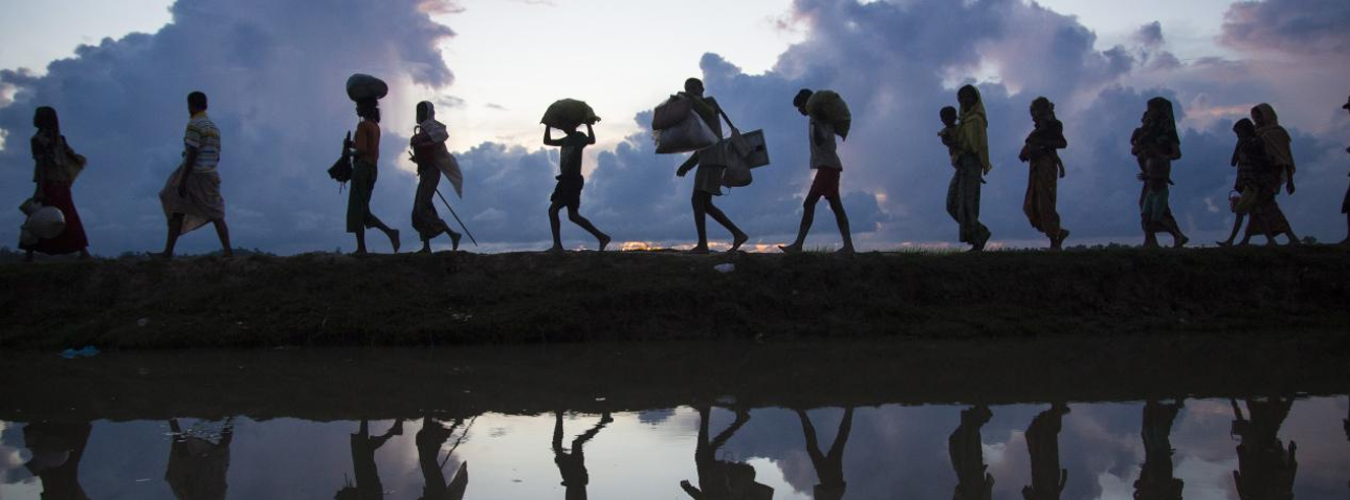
13, 454
891, 449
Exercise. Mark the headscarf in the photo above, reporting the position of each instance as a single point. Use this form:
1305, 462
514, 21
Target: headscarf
444, 161
1276, 139
974, 137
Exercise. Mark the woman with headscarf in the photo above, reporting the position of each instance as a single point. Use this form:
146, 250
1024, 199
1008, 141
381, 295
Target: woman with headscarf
963, 194
366, 152
1156, 144
1041, 151
429, 151
1267, 218
1249, 156
55, 168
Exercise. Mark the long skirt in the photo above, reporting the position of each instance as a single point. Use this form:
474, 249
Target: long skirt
72, 239
358, 201
963, 200
1266, 214
1345, 204
425, 219
1042, 187
199, 205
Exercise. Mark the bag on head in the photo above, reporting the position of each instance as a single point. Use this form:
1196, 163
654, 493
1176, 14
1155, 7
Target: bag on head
569, 113
362, 87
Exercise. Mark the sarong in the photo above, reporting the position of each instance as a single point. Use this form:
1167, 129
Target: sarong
200, 204
425, 219
963, 200
1042, 187
358, 202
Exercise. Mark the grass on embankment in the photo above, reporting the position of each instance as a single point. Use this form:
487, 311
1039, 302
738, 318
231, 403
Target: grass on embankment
327, 299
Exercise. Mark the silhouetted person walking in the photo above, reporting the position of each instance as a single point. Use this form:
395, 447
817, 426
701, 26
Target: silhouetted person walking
197, 466
567, 194
1156, 480
1046, 168
1266, 469
717, 479
711, 163
428, 143
1047, 478
825, 161
1345, 205
191, 198
430, 439
1249, 156
368, 485
972, 164
973, 481
829, 466
55, 167
1156, 144
57, 448
572, 465
366, 155
1267, 218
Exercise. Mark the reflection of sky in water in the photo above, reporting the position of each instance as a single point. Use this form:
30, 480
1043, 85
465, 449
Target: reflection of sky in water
892, 450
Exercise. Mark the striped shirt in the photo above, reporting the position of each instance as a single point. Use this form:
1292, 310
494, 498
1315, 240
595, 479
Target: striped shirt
203, 135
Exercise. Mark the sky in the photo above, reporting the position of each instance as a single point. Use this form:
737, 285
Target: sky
275, 72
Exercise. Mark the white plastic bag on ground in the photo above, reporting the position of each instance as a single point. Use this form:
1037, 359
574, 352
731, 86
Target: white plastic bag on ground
692, 134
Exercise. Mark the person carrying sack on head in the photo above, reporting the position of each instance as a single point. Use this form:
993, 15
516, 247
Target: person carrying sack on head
366, 155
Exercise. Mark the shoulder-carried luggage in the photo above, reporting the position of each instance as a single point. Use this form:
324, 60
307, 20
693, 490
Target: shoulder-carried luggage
690, 134
741, 153
827, 106
43, 222
672, 112
569, 113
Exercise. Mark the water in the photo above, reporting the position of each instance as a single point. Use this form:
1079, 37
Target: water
890, 419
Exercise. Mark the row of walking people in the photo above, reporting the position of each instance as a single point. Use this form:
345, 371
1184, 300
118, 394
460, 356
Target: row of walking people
199, 457
191, 197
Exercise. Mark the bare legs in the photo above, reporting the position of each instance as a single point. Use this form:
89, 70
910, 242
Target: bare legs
376, 223
704, 208
176, 230
572, 215
809, 217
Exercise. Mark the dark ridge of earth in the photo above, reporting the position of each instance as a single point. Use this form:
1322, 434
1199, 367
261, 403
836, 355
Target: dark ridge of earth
458, 298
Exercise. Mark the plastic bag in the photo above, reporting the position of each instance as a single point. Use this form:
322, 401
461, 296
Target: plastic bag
691, 134
362, 87
828, 107
751, 148
569, 113
671, 113
45, 223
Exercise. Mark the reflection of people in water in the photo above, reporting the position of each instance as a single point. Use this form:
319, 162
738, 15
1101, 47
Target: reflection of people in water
1047, 478
1155, 477
197, 466
57, 448
1265, 468
830, 466
973, 481
368, 485
573, 465
430, 439
718, 479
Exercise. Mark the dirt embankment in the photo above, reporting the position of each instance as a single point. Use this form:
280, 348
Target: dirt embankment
325, 299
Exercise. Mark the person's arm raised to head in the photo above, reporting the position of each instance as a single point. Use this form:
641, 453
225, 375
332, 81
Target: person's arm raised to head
590, 135
548, 137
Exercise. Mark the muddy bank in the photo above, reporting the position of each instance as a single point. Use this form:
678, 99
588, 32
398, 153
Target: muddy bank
456, 298
353, 383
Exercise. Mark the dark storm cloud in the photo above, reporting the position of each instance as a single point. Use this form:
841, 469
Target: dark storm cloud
274, 71
1293, 26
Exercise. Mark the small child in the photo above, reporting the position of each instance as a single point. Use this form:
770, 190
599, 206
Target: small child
948, 133
570, 182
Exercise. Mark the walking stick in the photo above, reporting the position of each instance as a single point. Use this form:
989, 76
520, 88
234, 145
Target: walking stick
456, 216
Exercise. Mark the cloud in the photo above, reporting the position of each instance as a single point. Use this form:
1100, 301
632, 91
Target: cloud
1150, 34
276, 90
1291, 26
